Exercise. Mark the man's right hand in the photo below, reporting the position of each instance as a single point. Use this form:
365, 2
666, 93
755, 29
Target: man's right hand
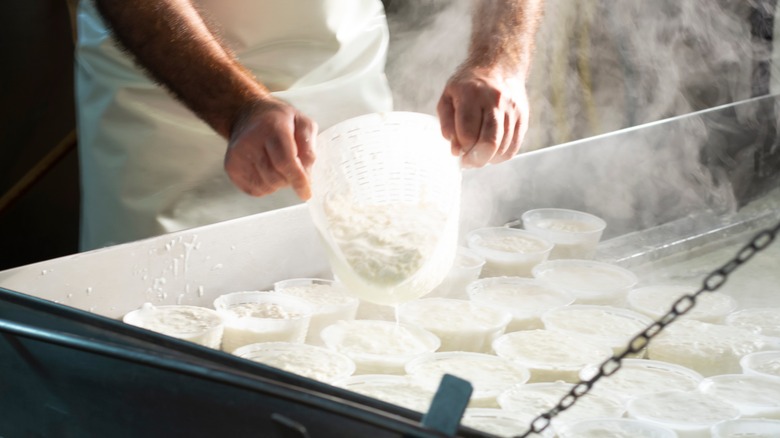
271, 146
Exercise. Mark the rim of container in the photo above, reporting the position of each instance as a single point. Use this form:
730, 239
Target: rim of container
673, 423
308, 309
471, 235
579, 425
602, 224
134, 314
644, 363
505, 316
524, 361
539, 271
443, 355
278, 346
431, 341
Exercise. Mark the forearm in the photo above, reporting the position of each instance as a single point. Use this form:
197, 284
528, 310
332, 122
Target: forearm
503, 34
171, 41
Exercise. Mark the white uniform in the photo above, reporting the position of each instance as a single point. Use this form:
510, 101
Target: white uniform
149, 166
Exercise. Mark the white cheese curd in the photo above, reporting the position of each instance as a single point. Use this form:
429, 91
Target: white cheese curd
746, 428
379, 347
501, 423
613, 326
489, 375
764, 320
261, 316
538, 398
655, 301
689, 413
332, 303
764, 363
508, 251
525, 298
575, 234
642, 376
590, 282
460, 324
709, 349
614, 428
317, 363
549, 355
191, 323
398, 390
389, 253
754, 396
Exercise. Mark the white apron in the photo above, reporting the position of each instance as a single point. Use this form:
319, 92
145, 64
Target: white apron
149, 166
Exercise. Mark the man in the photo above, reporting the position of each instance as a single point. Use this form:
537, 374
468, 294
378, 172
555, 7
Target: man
263, 82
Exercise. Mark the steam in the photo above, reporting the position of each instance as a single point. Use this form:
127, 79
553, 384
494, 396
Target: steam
601, 66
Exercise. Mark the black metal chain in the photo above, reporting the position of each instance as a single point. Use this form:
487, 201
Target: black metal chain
711, 283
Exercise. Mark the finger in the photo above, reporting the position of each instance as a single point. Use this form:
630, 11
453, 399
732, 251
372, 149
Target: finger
468, 123
485, 149
268, 177
283, 154
305, 137
506, 140
517, 139
446, 117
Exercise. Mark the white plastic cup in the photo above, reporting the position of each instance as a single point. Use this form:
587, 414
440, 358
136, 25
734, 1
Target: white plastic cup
590, 282
614, 428
755, 396
508, 251
762, 363
762, 320
551, 356
613, 326
538, 398
310, 361
394, 389
746, 427
525, 298
499, 422
489, 375
283, 318
576, 234
643, 376
656, 300
379, 347
690, 414
465, 269
190, 323
332, 302
461, 325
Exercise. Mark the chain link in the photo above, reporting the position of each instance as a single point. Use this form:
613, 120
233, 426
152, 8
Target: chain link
684, 304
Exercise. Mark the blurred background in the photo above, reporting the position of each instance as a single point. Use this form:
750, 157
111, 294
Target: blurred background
600, 66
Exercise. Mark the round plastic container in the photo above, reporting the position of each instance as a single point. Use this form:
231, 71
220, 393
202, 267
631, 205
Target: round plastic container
538, 398
642, 376
379, 347
764, 321
655, 301
754, 396
690, 414
460, 325
386, 201
590, 282
525, 298
508, 251
489, 375
310, 361
331, 302
190, 323
746, 428
260, 316
762, 363
549, 355
709, 349
574, 233
614, 428
398, 390
609, 325
465, 269
500, 423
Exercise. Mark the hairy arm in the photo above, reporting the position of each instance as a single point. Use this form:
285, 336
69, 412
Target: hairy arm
269, 141
484, 106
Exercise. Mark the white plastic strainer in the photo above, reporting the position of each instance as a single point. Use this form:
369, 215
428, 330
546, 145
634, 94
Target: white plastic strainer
386, 200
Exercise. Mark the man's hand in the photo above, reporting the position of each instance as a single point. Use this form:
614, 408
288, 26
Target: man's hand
484, 115
484, 107
270, 147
